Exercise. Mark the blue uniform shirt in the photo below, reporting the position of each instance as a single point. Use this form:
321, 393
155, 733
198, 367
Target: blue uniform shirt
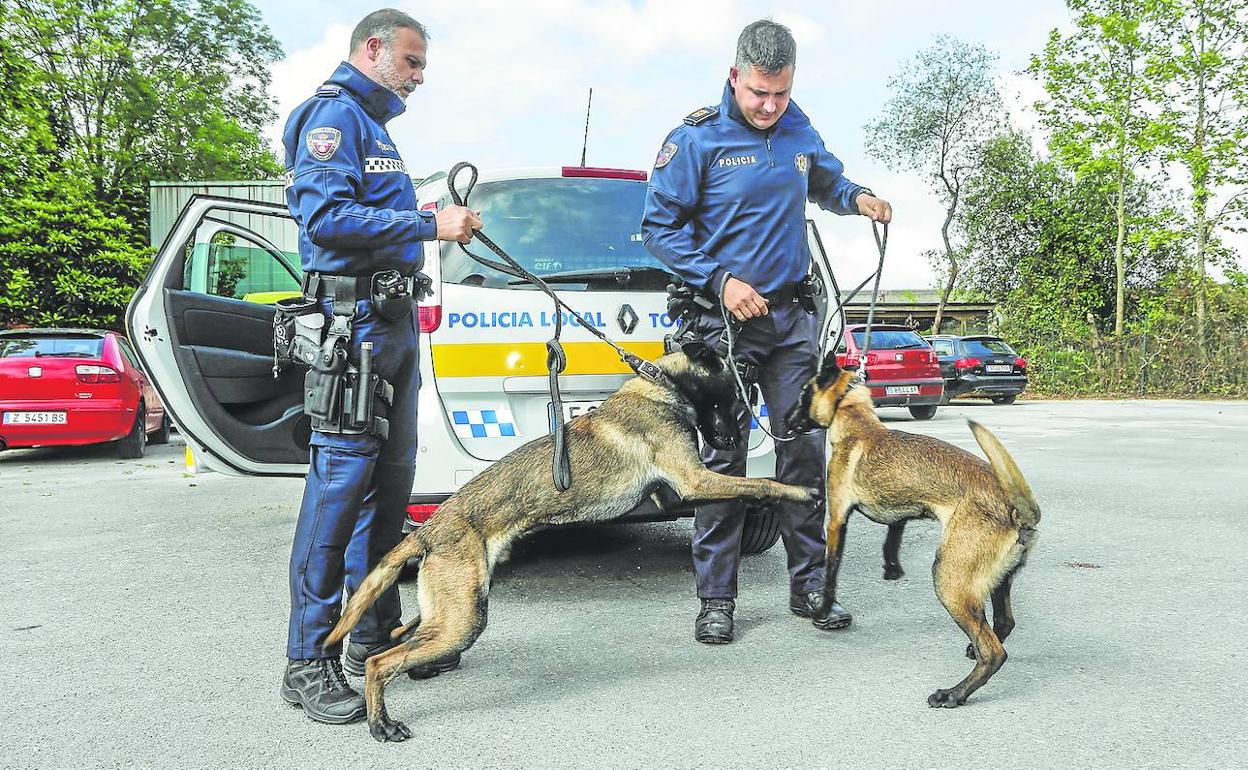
727, 197
346, 185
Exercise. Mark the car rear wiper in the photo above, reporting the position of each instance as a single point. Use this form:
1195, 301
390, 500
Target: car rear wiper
622, 275
63, 354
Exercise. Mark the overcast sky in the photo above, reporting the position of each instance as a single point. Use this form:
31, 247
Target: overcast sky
507, 84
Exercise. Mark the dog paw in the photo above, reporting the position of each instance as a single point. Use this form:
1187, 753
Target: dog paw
893, 572
946, 699
387, 730
813, 494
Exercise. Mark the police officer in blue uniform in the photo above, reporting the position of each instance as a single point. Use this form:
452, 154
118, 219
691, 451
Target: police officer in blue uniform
725, 211
361, 242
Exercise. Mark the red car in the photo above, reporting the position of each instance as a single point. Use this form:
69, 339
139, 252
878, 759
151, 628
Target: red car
76, 386
902, 369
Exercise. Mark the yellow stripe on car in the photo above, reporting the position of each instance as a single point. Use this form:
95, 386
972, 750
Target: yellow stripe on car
512, 359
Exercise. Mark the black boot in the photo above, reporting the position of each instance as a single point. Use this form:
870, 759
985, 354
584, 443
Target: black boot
358, 652
824, 614
319, 688
714, 623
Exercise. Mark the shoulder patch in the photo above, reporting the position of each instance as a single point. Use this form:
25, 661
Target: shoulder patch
328, 90
666, 153
701, 115
323, 142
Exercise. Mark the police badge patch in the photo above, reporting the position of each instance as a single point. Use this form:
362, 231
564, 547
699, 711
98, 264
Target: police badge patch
666, 153
323, 142
802, 162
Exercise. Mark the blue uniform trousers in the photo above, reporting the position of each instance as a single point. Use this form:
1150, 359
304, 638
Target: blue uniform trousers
355, 499
782, 344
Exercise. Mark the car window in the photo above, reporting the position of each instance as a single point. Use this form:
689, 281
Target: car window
231, 265
890, 339
21, 346
127, 353
558, 226
943, 347
988, 348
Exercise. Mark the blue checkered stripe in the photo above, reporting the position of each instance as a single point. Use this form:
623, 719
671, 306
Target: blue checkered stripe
484, 423
762, 412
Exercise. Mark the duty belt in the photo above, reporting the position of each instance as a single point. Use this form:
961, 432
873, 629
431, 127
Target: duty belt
357, 287
785, 295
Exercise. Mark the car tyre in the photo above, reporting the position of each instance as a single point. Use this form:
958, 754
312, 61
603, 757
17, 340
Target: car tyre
161, 434
1003, 399
923, 412
760, 530
134, 444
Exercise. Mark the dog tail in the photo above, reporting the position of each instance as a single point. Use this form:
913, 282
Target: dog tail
1008, 475
382, 577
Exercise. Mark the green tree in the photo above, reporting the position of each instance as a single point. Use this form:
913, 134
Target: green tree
62, 260
1206, 117
1101, 107
944, 105
152, 89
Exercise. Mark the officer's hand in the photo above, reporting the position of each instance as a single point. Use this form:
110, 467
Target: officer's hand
877, 209
742, 301
456, 223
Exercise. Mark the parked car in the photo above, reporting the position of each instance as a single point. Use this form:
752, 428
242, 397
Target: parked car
73, 387
901, 367
982, 365
203, 320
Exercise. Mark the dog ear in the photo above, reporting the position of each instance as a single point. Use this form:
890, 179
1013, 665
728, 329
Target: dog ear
699, 352
829, 371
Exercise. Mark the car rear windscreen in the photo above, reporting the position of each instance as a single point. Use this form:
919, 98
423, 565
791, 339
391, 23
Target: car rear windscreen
890, 339
69, 346
988, 348
557, 226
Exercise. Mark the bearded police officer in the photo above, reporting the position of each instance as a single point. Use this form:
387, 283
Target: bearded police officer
361, 245
725, 210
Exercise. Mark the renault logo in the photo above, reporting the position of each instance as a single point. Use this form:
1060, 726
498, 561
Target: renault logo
627, 319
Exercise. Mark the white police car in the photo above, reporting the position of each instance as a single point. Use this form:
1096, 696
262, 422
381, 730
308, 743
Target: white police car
201, 322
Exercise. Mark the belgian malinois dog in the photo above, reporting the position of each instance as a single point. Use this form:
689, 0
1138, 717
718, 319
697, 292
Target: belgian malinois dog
986, 511
642, 437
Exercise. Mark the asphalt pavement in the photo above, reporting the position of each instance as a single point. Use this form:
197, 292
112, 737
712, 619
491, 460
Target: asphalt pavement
144, 624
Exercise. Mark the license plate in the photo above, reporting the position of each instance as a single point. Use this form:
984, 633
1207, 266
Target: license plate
34, 418
571, 409
901, 390
1004, 368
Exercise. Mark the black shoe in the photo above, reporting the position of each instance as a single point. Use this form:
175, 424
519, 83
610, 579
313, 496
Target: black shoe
804, 605
714, 623
358, 652
319, 688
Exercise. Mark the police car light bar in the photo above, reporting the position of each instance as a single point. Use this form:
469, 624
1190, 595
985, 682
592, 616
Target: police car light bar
604, 173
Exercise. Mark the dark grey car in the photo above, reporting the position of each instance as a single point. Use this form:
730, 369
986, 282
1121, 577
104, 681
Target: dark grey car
981, 366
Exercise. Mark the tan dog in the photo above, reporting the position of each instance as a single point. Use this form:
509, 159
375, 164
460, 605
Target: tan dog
987, 513
644, 436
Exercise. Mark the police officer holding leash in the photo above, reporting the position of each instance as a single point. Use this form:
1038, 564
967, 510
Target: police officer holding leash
726, 211
361, 245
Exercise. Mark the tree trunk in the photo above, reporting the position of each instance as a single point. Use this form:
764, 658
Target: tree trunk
1200, 198
953, 262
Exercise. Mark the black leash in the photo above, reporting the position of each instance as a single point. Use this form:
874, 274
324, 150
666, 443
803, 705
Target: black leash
556, 359
881, 243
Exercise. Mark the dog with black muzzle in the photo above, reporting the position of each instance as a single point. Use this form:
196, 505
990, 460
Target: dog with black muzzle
986, 510
644, 436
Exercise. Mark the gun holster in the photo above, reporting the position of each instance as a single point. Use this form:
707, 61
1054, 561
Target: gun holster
807, 289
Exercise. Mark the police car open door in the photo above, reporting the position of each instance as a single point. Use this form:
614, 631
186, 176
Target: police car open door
202, 325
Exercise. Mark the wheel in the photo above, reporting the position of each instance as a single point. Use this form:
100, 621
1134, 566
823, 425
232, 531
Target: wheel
760, 531
923, 412
134, 444
1003, 399
161, 434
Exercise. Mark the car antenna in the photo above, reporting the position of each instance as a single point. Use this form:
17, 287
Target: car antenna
585, 141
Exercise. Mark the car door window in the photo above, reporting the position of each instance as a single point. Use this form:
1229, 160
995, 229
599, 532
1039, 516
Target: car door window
225, 263
128, 354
